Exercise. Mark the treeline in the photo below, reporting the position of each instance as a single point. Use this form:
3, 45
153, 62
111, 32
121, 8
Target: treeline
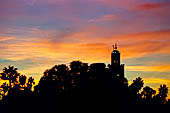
76, 88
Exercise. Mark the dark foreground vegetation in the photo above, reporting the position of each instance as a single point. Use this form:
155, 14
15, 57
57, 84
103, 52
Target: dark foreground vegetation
77, 88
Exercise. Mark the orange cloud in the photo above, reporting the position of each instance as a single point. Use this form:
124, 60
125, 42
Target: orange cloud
6, 38
157, 80
82, 45
88, 48
161, 68
140, 44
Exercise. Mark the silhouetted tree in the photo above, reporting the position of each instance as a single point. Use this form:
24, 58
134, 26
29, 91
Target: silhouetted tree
77, 69
148, 94
64, 88
4, 87
22, 80
163, 91
160, 98
134, 89
30, 83
136, 86
10, 74
55, 80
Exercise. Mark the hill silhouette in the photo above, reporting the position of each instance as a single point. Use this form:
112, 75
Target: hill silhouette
77, 88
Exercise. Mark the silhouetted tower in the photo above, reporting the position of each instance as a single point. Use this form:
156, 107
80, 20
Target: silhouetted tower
115, 56
116, 68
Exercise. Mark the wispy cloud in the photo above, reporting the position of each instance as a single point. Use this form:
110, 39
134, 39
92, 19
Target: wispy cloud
105, 18
151, 5
48, 43
6, 38
160, 68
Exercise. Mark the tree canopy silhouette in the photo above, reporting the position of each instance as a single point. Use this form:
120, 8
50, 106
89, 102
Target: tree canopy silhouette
10, 74
79, 84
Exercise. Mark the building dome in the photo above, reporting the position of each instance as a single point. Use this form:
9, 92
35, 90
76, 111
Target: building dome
115, 51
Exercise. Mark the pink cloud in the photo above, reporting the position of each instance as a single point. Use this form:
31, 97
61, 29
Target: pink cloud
150, 6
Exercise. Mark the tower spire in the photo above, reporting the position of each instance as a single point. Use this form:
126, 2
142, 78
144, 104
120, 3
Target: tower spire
115, 46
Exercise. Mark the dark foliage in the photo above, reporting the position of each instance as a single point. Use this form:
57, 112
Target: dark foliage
77, 88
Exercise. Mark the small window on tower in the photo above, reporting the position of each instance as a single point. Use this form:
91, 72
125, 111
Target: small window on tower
116, 61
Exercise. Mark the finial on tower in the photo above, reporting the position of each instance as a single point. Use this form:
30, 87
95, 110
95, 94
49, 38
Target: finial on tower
115, 46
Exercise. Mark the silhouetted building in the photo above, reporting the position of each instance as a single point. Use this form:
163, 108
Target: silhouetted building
116, 68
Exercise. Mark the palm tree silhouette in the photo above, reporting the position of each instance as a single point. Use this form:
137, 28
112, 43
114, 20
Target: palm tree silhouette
30, 82
136, 86
163, 91
148, 93
10, 74
22, 80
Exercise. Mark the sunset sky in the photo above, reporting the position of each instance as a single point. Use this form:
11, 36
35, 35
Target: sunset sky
37, 34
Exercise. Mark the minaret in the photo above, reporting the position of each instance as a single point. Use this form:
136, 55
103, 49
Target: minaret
116, 68
115, 56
